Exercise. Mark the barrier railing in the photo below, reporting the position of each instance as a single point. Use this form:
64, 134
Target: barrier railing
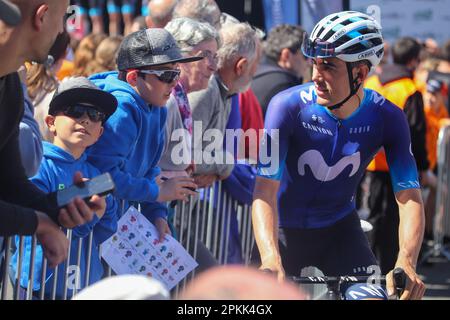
441, 221
211, 226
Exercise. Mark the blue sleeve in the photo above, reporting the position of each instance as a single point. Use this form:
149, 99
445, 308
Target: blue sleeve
42, 179
275, 141
397, 145
30, 140
241, 183
107, 225
109, 154
153, 209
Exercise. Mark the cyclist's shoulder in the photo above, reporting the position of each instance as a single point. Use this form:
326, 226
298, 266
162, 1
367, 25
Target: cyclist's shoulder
378, 104
295, 97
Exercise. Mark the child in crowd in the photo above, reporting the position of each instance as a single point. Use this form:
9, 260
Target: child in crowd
76, 116
132, 143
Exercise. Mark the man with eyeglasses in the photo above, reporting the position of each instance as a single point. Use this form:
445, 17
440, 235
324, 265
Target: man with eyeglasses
133, 139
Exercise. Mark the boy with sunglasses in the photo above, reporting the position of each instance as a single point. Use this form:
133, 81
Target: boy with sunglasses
76, 116
132, 143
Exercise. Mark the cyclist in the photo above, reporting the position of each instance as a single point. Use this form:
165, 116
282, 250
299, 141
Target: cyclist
324, 135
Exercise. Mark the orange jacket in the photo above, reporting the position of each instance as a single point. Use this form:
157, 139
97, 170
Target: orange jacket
435, 119
398, 92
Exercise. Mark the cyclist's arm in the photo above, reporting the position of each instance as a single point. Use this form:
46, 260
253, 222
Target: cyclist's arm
273, 151
410, 233
405, 183
265, 224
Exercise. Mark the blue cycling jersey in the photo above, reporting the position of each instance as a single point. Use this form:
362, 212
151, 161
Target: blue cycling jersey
321, 158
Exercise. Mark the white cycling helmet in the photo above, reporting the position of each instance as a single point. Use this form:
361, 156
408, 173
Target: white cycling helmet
350, 36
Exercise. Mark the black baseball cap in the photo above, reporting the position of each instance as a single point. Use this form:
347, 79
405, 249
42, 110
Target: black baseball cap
9, 13
80, 90
150, 47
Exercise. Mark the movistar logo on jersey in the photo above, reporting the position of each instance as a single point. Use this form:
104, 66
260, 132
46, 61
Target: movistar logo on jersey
317, 128
377, 98
321, 170
307, 96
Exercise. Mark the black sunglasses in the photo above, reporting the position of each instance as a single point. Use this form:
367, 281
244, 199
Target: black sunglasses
78, 111
166, 76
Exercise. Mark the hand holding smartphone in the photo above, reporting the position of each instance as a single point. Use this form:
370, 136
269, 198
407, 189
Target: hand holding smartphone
100, 185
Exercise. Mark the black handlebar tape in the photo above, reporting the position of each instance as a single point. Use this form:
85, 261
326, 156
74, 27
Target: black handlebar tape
399, 281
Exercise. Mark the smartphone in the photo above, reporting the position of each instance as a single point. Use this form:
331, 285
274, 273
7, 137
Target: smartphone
100, 185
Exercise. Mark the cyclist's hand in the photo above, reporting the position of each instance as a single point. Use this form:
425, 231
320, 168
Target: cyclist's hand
415, 288
274, 267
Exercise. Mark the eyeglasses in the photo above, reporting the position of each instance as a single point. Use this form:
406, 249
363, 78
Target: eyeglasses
78, 111
166, 76
212, 57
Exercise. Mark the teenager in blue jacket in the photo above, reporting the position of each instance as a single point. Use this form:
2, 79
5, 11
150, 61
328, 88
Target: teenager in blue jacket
131, 146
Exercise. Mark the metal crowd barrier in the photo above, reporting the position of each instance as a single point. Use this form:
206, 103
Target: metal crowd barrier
203, 221
441, 221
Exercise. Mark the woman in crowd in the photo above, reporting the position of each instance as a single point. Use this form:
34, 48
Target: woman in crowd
41, 82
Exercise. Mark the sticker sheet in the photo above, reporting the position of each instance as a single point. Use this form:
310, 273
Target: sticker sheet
135, 249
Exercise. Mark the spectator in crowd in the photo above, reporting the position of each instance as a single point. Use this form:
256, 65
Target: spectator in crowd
94, 10
196, 39
444, 64
239, 56
68, 65
251, 119
201, 10
396, 84
118, 9
139, 23
85, 53
75, 118
159, 13
283, 64
442, 72
30, 139
41, 82
436, 115
133, 140
25, 209
105, 55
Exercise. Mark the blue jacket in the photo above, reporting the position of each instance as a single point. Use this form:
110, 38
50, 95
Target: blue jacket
30, 139
56, 172
131, 146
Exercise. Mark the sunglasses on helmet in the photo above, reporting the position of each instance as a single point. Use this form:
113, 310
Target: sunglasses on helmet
78, 111
317, 48
166, 76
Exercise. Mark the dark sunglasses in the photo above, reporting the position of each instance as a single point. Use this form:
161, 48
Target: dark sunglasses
166, 76
78, 111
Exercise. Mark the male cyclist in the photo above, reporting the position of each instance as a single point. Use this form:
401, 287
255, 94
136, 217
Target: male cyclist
324, 135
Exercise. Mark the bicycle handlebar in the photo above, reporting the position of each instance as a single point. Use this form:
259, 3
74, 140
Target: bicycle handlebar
399, 276
341, 279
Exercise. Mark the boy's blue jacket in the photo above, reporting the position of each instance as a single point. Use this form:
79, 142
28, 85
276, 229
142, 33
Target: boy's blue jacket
56, 172
131, 146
